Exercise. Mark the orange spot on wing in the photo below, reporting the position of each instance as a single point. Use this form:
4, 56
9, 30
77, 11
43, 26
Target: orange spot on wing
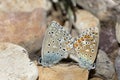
82, 38
86, 36
91, 39
79, 40
75, 45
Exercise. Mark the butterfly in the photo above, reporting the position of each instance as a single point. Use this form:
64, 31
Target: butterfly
59, 44
85, 48
56, 44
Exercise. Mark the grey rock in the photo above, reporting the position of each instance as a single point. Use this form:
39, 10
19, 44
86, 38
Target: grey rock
15, 63
104, 66
117, 29
117, 65
100, 8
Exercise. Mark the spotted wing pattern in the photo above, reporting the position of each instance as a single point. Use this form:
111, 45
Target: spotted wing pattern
56, 44
86, 46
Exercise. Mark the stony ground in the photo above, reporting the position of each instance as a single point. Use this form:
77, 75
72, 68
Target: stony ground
23, 25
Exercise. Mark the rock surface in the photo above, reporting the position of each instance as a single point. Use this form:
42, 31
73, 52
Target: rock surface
96, 78
103, 9
117, 66
104, 66
117, 29
63, 72
84, 20
24, 5
108, 41
24, 28
15, 63
74, 33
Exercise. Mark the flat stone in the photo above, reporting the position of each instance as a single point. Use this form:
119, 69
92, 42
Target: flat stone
63, 72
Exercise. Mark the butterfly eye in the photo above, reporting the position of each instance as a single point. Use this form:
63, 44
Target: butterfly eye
48, 51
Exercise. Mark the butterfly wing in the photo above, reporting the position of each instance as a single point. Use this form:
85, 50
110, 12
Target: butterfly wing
56, 43
86, 46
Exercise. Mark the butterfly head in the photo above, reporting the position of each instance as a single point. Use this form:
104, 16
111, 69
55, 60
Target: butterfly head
41, 62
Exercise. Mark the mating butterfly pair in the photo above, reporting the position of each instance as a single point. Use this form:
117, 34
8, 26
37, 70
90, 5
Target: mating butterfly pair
59, 44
